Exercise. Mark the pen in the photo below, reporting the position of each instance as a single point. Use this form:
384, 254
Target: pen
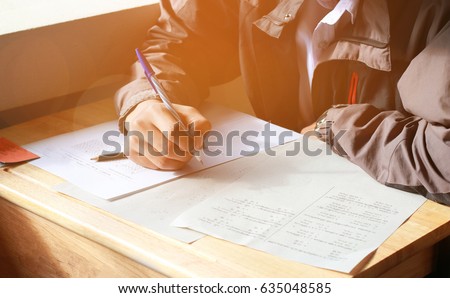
109, 156
150, 74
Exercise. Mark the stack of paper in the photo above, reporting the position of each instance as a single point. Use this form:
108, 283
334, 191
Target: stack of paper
297, 201
69, 156
322, 211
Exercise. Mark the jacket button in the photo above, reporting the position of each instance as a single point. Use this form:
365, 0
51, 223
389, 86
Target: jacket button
287, 16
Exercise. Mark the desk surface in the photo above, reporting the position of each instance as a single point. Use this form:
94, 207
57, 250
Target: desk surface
63, 224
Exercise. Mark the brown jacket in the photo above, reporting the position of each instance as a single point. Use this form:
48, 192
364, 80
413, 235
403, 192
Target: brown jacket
398, 130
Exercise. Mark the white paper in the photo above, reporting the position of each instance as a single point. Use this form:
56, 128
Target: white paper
69, 155
154, 208
322, 211
157, 207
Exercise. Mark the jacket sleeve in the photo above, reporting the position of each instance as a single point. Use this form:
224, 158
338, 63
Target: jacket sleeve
407, 151
193, 46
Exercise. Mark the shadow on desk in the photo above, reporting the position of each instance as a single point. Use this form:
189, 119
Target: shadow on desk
7, 268
443, 260
23, 253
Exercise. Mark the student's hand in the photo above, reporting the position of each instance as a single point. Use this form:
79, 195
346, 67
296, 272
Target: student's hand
155, 139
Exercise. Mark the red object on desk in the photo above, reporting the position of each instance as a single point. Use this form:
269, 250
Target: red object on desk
13, 153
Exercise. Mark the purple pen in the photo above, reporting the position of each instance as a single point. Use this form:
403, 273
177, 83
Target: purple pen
150, 74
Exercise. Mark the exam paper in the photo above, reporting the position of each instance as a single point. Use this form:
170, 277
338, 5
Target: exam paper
322, 211
69, 155
157, 207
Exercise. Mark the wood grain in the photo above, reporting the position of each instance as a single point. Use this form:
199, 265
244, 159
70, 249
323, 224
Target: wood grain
44, 233
32, 246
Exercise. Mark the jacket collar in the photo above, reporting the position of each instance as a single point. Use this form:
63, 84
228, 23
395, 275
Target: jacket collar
368, 41
371, 26
284, 13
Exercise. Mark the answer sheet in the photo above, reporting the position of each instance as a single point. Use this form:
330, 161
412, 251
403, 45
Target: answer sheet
322, 211
69, 155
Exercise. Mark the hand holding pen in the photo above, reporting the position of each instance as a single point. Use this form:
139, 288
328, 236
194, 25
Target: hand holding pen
154, 128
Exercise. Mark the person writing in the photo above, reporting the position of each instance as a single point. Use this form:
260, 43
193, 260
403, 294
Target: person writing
374, 72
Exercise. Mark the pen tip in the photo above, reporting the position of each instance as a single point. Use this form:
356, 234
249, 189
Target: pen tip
199, 160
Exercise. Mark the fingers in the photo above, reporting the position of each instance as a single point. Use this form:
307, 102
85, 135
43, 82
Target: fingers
153, 162
168, 133
198, 125
155, 139
154, 146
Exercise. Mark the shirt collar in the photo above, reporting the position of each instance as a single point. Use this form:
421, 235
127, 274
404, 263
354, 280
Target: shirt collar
368, 39
344, 12
286, 11
350, 6
374, 26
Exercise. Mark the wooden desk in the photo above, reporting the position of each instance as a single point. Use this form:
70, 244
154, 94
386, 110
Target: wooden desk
47, 234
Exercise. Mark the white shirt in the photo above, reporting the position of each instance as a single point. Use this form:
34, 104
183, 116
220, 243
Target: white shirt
316, 30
